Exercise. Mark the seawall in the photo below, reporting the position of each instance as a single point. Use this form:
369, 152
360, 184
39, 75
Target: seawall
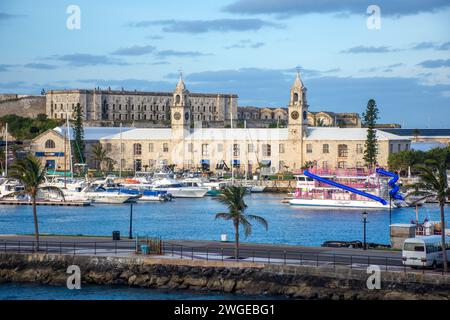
232, 277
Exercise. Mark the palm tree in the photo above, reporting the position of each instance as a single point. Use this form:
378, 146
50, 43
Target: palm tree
434, 184
31, 174
233, 198
100, 155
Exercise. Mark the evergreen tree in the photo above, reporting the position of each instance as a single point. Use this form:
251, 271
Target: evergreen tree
370, 118
78, 136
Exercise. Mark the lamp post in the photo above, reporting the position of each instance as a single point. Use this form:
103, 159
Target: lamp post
364, 216
390, 209
131, 221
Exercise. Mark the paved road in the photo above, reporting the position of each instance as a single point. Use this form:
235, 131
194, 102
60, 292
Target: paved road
212, 250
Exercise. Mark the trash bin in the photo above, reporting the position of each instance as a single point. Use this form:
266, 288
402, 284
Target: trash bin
116, 235
144, 249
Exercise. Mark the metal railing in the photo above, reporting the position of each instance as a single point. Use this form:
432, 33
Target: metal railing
214, 253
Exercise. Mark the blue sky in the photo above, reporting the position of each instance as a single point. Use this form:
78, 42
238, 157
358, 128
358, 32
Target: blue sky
248, 47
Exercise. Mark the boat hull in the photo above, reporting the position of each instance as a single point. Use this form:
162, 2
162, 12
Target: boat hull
186, 192
337, 204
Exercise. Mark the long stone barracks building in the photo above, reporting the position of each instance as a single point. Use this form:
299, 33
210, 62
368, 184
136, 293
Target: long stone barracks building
112, 105
280, 149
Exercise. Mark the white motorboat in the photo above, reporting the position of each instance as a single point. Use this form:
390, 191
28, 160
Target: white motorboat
98, 194
9, 187
178, 189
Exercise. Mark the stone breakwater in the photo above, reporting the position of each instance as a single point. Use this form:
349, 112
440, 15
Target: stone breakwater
231, 277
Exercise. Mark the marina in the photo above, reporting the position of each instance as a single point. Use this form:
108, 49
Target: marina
195, 219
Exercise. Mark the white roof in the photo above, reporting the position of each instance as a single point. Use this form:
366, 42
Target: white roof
332, 133
251, 134
227, 134
142, 134
93, 133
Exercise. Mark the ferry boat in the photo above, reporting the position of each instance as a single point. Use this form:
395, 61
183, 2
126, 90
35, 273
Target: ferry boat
345, 189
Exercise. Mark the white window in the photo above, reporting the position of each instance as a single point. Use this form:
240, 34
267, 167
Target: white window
205, 152
236, 150
267, 150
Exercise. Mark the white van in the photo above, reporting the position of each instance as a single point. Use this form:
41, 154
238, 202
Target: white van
424, 251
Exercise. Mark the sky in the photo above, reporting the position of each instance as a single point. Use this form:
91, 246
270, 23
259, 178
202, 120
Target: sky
248, 47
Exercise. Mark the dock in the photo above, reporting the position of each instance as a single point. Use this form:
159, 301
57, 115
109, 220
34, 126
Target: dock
46, 203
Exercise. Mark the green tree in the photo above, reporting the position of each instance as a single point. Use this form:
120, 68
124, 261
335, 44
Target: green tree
32, 175
100, 156
308, 165
405, 159
434, 184
23, 128
233, 198
78, 136
370, 118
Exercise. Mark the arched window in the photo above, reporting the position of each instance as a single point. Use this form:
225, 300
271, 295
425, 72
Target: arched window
305, 115
50, 144
296, 97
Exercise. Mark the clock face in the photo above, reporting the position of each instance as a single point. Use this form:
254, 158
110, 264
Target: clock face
177, 116
295, 115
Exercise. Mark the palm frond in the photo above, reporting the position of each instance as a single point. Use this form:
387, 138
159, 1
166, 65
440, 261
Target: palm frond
259, 219
54, 189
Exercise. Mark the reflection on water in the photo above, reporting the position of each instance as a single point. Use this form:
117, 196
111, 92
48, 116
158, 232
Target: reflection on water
42, 292
194, 219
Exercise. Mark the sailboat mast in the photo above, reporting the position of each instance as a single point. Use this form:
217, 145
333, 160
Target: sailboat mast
246, 152
65, 158
120, 161
6, 150
70, 148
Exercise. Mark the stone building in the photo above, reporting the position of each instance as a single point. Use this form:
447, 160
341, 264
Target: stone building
133, 106
263, 117
279, 149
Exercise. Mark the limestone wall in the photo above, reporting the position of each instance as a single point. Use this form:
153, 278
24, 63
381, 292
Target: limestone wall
242, 278
28, 106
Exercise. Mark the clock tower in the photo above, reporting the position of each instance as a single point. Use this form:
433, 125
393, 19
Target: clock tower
298, 110
180, 111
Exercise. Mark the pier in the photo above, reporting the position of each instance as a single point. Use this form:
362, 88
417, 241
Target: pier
46, 203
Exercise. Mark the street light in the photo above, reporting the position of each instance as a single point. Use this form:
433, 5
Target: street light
131, 221
364, 216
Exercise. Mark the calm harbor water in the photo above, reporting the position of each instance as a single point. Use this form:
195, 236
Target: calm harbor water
13, 291
194, 219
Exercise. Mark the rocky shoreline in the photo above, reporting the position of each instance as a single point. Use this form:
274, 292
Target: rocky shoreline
255, 279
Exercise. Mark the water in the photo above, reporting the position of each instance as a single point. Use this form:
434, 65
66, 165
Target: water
14, 291
194, 219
